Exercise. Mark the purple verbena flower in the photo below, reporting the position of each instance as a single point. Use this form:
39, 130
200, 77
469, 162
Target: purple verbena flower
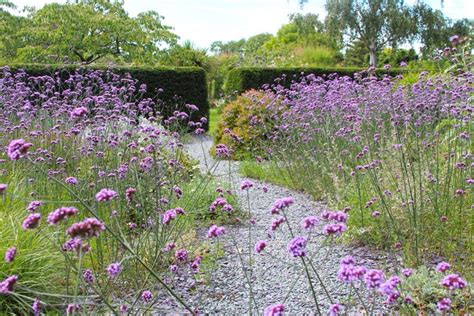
33, 206
31, 221
36, 307
280, 204
246, 184
6, 286
453, 282
10, 254
89, 227
147, 296
260, 245
114, 269
443, 267
444, 305
334, 229
60, 214
71, 180
18, 148
274, 310
309, 222
297, 246
215, 231
373, 278
181, 255
335, 309
105, 195
88, 276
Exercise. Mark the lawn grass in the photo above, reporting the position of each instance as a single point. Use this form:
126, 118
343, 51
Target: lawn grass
214, 118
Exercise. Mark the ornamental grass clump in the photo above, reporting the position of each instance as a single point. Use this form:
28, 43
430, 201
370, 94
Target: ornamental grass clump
93, 186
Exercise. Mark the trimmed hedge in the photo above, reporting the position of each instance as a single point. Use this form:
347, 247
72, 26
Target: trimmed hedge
180, 85
243, 79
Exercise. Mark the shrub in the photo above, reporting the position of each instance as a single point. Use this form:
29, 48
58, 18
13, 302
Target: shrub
174, 87
243, 79
244, 126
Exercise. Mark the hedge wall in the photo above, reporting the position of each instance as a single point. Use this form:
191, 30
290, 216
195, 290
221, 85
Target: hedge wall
243, 79
181, 85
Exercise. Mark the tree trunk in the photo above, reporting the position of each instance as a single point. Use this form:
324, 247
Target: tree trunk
373, 55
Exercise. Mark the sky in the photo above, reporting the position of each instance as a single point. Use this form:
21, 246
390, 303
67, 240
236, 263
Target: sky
205, 21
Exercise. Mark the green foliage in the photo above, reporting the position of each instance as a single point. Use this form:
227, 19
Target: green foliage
243, 79
434, 29
247, 120
395, 57
186, 55
86, 31
424, 289
374, 23
182, 85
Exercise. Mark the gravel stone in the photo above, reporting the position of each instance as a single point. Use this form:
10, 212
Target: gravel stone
275, 272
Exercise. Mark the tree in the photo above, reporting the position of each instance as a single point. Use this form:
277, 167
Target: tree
434, 29
7, 4
375, 23
90, 30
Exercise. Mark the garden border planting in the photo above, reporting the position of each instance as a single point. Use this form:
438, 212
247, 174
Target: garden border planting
243, 79
180, 85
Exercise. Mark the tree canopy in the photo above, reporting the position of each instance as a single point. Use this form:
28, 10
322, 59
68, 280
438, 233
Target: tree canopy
86, 31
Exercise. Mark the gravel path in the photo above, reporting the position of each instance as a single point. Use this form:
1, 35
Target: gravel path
275, 271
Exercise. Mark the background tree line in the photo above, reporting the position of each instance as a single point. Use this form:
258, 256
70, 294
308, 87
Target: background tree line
354, 33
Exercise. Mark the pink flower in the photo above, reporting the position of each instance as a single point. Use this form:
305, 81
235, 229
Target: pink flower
181, 255
274, 310
114, 269
36, 307
453, 281
33, 206
373, 278
90, 227
60, 214
129, 193
444, 305
18, 148
71, 180
3, 187
147, 296
309, 222
297, 246
79, 112
334, 229
246, 184
280, 204
443, 267
106, 195
6, 286
260, 245
10, 254
31, 221
215, 231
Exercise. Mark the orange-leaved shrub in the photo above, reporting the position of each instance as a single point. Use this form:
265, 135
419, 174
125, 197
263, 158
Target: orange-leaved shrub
246, 123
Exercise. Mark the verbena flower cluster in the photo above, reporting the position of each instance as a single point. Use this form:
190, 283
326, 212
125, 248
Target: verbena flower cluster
106, 170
